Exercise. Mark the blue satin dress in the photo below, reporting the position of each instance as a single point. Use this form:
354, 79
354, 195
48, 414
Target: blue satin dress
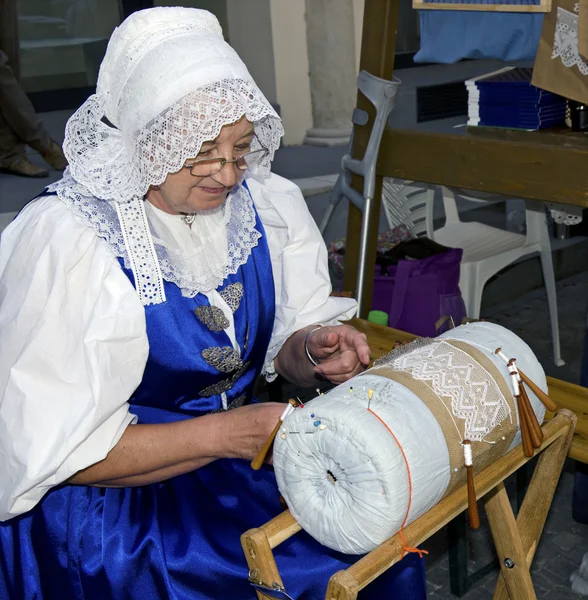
180, 539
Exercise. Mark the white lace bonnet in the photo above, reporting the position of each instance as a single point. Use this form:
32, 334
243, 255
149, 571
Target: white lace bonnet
168, 82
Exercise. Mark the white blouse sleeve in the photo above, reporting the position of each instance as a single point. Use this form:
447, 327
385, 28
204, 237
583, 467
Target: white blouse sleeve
73, 348
299, 262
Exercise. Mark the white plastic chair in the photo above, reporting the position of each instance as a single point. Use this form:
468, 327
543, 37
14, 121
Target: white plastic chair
410, 204
486, 250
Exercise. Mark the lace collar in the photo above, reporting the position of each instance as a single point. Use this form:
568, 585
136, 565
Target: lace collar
158, 246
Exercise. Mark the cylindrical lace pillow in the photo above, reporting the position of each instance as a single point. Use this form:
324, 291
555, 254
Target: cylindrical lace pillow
353, 471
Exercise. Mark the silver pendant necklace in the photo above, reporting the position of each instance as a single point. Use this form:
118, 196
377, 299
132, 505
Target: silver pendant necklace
189, 219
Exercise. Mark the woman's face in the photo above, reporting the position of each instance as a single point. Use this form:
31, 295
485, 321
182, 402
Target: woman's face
181, 192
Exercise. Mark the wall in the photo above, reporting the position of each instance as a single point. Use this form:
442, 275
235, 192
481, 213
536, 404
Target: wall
250, 34
358, 8
291, 67
270, 37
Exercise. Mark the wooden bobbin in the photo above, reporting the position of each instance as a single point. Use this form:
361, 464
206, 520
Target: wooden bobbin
534, 427
524, 426
543, 397
528, 414
260, 458
547, 401
473, 514
523, 416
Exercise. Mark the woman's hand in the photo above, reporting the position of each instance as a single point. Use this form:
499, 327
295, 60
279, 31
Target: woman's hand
155, 452
247, 428
341, 351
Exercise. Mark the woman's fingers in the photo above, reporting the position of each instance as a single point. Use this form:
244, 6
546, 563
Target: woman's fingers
341, 368
324, 342
327, 341
356, 341
343, 352
249, 427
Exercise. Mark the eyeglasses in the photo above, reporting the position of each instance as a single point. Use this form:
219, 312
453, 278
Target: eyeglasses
205, 167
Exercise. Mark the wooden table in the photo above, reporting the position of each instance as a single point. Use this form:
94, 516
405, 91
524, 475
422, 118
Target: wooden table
564, 394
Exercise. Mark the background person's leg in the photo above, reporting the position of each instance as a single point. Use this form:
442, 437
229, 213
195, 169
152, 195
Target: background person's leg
9, 39
10, 147
18, 110
22, 119
13, 158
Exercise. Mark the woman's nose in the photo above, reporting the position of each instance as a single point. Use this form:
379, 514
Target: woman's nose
228, 175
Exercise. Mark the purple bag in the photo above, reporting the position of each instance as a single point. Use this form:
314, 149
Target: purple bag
416, 294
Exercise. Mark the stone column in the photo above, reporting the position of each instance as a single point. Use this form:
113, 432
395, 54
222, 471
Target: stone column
331, 57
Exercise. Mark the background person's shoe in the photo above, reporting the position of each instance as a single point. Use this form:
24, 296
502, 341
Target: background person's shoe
53, 156
25, 168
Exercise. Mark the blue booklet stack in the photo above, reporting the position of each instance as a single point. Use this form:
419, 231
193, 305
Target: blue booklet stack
506, 98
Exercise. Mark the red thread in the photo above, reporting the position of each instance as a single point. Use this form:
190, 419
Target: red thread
405, 548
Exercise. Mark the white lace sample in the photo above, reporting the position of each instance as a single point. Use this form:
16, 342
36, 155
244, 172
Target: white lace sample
565, 42
451, 372
186, 267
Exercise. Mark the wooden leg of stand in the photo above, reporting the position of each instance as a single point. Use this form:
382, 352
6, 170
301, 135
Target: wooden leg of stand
533, 513
342, 586
260, 558
509, 547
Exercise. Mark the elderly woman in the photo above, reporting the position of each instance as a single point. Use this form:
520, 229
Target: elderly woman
141, 297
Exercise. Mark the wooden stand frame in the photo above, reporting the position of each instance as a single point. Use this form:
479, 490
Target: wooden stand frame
516, 540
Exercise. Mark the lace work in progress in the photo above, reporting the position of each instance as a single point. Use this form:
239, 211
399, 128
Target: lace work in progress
451, 372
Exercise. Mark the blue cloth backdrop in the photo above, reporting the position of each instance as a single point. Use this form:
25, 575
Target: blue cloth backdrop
449, 36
